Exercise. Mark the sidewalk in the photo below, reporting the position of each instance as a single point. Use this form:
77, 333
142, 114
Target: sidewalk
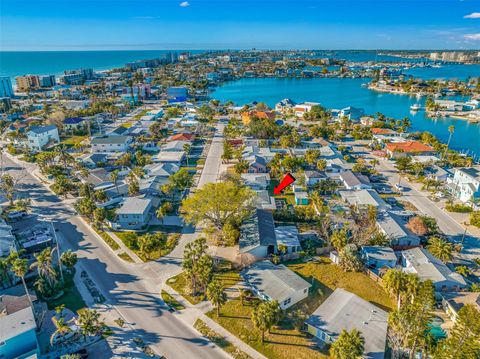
123, 247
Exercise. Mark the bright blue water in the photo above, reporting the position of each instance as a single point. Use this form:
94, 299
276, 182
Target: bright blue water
339, 93
459, 72
17, 63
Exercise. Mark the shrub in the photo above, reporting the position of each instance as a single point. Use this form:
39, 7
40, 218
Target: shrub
458, 208
475, 219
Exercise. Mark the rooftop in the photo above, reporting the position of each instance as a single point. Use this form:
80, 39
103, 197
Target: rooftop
409, 147
277, 282
110, 140
135, 205
42, 129
345, 310
257, 230
16, 323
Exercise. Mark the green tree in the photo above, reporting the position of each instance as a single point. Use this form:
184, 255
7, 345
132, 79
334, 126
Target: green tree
463, 341
451, 130
8, 187
44, 266
264, 316
114, 177
61, 329
69, 259
216, 294
90, 323
193, 252
321, 165
181, 180
440, 248
241, 166
339, 239
349, 345
218, 204
20, 269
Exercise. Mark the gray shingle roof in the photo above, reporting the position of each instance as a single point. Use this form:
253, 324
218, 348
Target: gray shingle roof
257, 230
345, 310
277, 282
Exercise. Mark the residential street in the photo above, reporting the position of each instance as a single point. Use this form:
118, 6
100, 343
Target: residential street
133, 289
420, 200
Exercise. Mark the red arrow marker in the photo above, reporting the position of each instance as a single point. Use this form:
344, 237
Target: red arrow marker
286, 181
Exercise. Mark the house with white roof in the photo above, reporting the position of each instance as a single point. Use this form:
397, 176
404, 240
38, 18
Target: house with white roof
354, 181
363, 198
39, 136
256, 181
276, 282
427, 267
465, 184
287, 236
134, 213
160, 169
110, 143
390, 225
377, 257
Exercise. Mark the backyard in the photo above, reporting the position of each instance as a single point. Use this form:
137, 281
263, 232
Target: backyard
181, 283
285, 341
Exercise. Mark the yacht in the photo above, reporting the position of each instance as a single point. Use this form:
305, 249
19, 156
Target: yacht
415, 107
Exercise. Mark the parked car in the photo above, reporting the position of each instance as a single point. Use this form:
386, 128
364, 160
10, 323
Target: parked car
16, 214
399, 188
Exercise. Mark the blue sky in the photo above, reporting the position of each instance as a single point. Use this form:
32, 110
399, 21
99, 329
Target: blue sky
239, 24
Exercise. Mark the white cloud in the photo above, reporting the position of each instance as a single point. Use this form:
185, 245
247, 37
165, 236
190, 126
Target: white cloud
473, 15
185, 4
474, 37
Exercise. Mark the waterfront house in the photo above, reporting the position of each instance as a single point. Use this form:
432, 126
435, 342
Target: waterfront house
108, 144
257, 234
351, 113
134, 213
301, 109
408, 148
40, 136
465, 184
343, 310
18, 337
377, 257
276, 282
248, 115
426, 266
284, 105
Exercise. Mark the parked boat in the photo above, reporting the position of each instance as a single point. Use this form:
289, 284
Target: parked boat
415, 107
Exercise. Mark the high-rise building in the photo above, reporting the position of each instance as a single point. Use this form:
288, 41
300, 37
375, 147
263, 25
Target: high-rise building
46, 80
27, 82
87, 74
6, 89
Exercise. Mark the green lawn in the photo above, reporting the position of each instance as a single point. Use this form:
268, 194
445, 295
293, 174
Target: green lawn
107, 239
284, 342
287, 195
125, 257
220, 341
171, 301
130, 240
73, 140
181, 284
326, 277
71, 297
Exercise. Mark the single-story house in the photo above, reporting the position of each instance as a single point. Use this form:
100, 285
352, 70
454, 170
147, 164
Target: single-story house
263, 200
257, 234
454, 301
363, 198
182, 137
378, 257
390, 225
175, 158
313, 177
73, 123
276, 282
92, 160
343, 310
134, 213
160, 169
408, 148
353, 181
174, 146
287, 236
100, 178
426, 266
256, 181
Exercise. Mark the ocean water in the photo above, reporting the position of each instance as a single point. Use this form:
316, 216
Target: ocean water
15, 63
339, 93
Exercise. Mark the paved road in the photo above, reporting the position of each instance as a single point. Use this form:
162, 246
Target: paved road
133, 289
419, 198
212, 163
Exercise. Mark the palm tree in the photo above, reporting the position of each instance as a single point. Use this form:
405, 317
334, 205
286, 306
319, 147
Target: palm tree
5, 271
393, 281
260, 319
130, 85
186, 148
90, 323
440, 248
243, 295
20, 269
374, 162
216, 294
69, 259
114, 177
44, 266
451, 130
62, 328
348, 345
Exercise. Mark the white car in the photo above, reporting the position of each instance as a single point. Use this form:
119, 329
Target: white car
399, 188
